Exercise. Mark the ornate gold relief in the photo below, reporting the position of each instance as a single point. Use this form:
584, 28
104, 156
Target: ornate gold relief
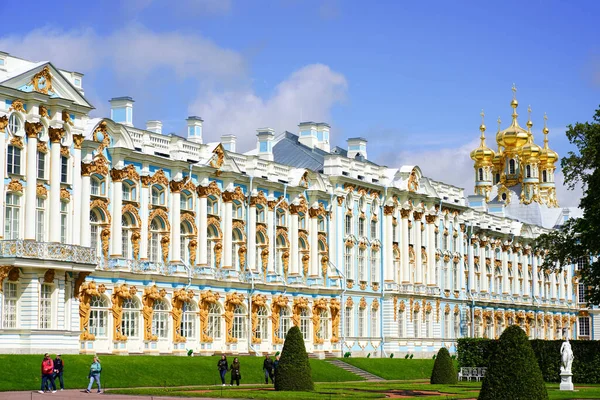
49, 276
206, 299
277, 303
65, 194
42, 81
33, 129
17, 105
232, 300
318, 306
56, 134
413, 182
41, 190
316, 212
105, 240
334, 307
211, 190
218, 157
17, 141
180, 296
87, 290
150, 295
120, 293
258, 301
300, 303
3, 123
14, 186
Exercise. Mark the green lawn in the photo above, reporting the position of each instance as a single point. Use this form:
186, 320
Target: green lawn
394, 368
356, 390
144, 371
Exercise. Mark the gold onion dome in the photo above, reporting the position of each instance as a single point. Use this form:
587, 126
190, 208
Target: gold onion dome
482, 154
547, 155
530, 150
513, 136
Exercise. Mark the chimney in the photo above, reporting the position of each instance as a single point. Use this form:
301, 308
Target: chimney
308, 133
121, 110
154, 126
265, 143
228, 142
357, 148
194, 125
323, 136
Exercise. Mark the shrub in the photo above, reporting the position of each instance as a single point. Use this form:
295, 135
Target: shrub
293, 371
347, 354
369, 355
443, 369
411, 356
513, 372
392, 355
406, 356
475, 352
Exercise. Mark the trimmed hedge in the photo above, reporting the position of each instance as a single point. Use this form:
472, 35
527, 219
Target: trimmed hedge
586, 365
293, 371
443, 369
513, 372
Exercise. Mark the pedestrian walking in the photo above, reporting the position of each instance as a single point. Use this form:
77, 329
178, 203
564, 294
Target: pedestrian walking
59, 366
275, 365
47, 371
235, 372
94, 375
223, 367
268, 369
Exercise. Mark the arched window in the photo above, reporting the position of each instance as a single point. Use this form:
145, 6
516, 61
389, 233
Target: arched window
285, 317
13, 160
528, 171
261, 243
305, 323
214, 321
348, 322
97, 185
374, 322
157, 230
348, 262
262, 327
10, 304
456, 326
511, 166
280, 217
280, 249
130, 324
260, 213
212, 239
374, 229
160, 319
239, 322
323, 332
320, 223
14, 124
127, 224
544, 176
480, 174
158, 195
212, 204
238, 210
99, 316
374, 265
186, 201
301, 221
186, 232
188, 320
237, 240
348, 230
12, 216
129, 191
362, 322
361, 227
361, 264
45, 310
302, 251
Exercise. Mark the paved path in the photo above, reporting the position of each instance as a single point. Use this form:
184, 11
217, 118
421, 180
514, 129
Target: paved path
79, 394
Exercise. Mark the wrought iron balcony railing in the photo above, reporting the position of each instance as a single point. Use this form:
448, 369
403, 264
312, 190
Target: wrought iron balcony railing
47, 251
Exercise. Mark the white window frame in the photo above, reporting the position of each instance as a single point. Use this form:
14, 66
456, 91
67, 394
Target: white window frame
130, 322
12, 215
40, 219
13, 160
160, 319
10, 305
45, 320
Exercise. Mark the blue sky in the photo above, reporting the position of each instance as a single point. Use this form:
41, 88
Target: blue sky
411, 77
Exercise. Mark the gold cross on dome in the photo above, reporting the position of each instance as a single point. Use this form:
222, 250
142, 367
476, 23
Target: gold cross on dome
499, 123
545, 119
482, 115
514, 90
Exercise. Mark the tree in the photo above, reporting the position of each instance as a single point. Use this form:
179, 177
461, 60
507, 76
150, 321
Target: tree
443, 369
293, 372
578, 239
513, 372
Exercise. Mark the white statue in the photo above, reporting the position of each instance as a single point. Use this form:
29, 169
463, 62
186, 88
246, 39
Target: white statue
566, 356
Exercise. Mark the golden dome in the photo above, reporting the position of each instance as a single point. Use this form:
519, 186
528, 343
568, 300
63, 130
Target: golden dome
482, 154
513, 136
530, 150
547, 155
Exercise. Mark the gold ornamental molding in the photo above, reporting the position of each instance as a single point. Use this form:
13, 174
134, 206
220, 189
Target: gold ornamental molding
33, 129
211, 190
318, 306
258, 199
150, 295
14, 186
232, 300
87, 290
299, 304
17, 105
180, 296
218, 157
277, 303
98, 166
206, 300
42, 81
56, 134
258, 301
17, 141
3, 123
65, 195
119, 294
41, 190
237, 194
10, 272
334, 307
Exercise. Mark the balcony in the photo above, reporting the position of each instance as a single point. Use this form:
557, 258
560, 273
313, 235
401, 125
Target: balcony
47, 251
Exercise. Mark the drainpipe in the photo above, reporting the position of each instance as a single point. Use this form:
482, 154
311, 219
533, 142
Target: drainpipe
250, 344
470, 284
188, 267
275, 219
381, 273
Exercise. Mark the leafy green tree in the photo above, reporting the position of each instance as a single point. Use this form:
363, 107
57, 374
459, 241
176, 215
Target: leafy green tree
443, 369
578, 239
293, 372
513, 372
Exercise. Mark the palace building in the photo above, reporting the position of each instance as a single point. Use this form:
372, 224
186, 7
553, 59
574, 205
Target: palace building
125, 240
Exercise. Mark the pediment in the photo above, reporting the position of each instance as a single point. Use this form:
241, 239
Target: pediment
46, 79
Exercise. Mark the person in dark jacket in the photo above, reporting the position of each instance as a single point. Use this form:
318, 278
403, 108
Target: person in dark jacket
275, 365
235, 372
59, 365
223, 367
268, 368
47, 372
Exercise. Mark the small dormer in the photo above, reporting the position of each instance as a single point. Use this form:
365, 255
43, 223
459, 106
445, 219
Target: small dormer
228, 142
265, 143
3, 60
307, 132
357, 148
121, 110
194, 129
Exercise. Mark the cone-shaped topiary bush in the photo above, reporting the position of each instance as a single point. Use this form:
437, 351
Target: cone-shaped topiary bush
443, 368
513, 372
293, 372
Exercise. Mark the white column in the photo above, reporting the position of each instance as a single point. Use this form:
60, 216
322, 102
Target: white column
293, 242
515, 283
251, 253
175, 225
505, 280
553, 286
471, 267
569, 294
418, 258
202, 233
483, 269
31, 178
271, 233
526, 288
56, 135
314, 247
144, 215
404, 247
77, 191
388, 246
3, 124
85, 207
116, 211
461, 263
534, 273
227, 233
430, 250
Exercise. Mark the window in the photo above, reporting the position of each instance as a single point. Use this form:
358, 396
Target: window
321, 223
130, 321
280, 217
129, 192
584, 326
279, 251
9, 315
13, 160
305, 323
480, 174
581, 293
237, 241
188, 320
214, 321
99, 316
238, 210
361, 265
64, 169
302, 221
213, 206
260, 214
126, 230
11, 224
373, 229
262, 326
361, 227
401, 329
63, 221
96, 222
544, 176
158, 195
14, 124
186, 201
284, 322
213, 239
160, 319
46, 306
374, 265
155, 239
448, 326
39, 220
97, 187
416, 325
323, 332
511, 167
41, 165
456, 326
348, 322
374, 322
348, 261
348, 225
528, 171
239, 323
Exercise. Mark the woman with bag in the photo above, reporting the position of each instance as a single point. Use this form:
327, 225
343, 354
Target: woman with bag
235, 372
222, 366
94, 375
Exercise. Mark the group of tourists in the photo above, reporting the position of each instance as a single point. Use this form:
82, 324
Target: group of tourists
269, 367
53, 369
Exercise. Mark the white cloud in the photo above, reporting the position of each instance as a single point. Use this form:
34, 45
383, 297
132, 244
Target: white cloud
308, 94
181, 6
